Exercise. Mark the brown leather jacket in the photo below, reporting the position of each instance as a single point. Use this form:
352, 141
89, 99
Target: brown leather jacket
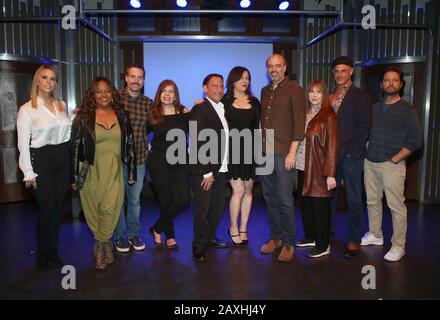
321, 154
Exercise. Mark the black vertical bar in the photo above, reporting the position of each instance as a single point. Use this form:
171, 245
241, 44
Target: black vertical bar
411, 33
405, 32
8, 28
2, 28
382, 49
419, 33
397, 33
390, 32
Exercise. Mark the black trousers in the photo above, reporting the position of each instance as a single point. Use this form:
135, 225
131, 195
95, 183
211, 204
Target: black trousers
171, 183
208, 208
51, 163
316, 216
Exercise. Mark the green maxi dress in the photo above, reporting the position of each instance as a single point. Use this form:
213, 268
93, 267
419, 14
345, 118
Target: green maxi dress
103, 191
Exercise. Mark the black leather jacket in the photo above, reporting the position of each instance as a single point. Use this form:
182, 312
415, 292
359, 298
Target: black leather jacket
83, 147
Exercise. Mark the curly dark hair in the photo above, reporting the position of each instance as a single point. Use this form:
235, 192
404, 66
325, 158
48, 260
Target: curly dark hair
88, 105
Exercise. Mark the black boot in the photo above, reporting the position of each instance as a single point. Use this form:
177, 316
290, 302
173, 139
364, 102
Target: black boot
42, 260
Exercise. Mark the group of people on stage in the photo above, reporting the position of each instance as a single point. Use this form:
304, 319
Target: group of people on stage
324, 137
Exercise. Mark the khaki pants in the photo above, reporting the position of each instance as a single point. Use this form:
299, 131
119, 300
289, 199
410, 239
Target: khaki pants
389, 178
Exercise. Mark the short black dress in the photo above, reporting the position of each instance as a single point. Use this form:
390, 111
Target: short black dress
242, 119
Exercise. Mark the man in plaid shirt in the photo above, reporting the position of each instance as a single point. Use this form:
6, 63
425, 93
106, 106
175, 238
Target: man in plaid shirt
138, 107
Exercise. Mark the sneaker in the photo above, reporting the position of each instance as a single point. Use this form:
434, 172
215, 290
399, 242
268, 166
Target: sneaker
286, 254
305, 243
395, 254
316, 253
137, 243
369, 239
122, 245
270, 246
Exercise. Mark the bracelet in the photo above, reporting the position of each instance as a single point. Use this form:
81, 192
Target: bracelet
392, 161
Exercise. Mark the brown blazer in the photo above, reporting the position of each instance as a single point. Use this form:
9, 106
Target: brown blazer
321, 154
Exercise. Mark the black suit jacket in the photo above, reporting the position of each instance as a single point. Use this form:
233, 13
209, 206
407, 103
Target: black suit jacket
206, 117
354, 122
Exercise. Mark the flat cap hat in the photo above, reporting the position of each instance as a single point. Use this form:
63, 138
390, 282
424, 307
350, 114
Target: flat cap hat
342, 60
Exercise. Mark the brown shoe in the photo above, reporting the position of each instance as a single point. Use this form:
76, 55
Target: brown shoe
286, 254
351, 250
270, 246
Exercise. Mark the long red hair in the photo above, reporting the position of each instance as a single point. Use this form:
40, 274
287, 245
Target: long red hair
156, 110
321, 86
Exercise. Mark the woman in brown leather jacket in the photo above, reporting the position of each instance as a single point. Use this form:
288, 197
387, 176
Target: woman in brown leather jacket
102, 139
316, 163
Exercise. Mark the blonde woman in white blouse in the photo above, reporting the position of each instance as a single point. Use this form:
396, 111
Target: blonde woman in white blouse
43, 129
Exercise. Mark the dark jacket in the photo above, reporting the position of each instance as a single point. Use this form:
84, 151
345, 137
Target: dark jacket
321, 153
83, 147
354, 122
206, 117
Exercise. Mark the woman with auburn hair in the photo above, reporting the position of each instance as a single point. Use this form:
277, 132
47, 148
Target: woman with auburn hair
316, 162
170, 179
43, 129
102, 140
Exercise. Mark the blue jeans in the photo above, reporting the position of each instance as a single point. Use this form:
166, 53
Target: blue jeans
132, 204
278, 192
350, 170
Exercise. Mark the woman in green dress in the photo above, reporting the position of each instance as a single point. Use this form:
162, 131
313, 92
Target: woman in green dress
102, 140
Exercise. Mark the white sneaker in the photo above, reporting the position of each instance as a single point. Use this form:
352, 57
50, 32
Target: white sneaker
368, 239
395, 254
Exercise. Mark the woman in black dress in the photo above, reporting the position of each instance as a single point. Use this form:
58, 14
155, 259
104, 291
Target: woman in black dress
242, 113
170, 179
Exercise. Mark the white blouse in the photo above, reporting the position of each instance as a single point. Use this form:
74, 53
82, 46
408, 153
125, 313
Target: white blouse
37, 128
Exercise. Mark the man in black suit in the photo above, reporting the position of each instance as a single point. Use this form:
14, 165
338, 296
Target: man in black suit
353, 109
208, 165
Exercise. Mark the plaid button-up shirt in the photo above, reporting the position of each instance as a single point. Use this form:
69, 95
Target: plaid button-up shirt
139, 110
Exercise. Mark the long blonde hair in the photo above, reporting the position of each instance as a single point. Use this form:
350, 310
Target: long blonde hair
34, 88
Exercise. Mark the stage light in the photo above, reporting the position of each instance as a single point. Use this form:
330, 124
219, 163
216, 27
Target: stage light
135, 4
283, 5
245, 4
181, 3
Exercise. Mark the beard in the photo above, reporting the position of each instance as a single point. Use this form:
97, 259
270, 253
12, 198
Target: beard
391, 93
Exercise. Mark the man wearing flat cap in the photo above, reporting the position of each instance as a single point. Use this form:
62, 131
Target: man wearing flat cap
354, 113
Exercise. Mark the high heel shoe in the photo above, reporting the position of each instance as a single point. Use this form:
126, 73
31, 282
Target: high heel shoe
244, 242
153, 234
173, 246
232, 238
